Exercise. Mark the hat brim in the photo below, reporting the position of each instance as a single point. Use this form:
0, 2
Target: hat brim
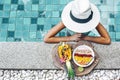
80, 27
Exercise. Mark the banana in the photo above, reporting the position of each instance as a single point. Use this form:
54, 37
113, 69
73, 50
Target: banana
64, 51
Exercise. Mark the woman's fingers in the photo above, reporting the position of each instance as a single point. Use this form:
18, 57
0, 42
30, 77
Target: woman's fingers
78, 35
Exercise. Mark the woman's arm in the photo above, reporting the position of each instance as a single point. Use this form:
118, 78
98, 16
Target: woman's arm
103, 39
50, 36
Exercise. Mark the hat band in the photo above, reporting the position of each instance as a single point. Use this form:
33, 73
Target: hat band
81, 20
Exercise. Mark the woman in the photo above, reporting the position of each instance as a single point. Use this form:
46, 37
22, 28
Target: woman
82, 17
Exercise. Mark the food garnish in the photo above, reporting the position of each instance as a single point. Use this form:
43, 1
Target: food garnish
80, 69
64, 52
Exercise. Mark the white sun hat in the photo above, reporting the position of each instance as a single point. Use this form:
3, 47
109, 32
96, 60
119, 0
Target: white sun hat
80, 16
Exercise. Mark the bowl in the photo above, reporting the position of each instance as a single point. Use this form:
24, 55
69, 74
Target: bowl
83, 56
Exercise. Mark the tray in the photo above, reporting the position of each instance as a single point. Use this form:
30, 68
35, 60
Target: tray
87, 70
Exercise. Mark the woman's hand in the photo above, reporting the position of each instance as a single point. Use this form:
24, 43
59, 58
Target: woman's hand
76, 37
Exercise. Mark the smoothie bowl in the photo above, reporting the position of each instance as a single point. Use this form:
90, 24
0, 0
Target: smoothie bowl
83, 56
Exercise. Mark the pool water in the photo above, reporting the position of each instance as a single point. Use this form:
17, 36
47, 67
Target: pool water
30, 20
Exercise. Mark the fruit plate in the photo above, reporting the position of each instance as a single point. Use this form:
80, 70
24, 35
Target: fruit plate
60, 65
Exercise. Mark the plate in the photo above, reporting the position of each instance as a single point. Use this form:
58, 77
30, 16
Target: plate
83, 56
87, 70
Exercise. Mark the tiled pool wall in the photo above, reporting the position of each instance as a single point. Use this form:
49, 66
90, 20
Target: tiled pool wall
29, 20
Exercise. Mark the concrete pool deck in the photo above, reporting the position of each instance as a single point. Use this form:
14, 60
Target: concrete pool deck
35, 55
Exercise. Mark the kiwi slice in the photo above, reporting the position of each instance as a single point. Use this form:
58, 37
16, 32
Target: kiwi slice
81, 69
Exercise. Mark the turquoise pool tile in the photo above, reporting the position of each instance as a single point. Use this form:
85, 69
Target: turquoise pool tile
103, 2
18, 39
18, 34
20, 14
39, 35
5, 20
19, 27
26, 27
107, 27
7, 7
47, 26
27, 14
10, 39
1, 6
34, 14
2, 39
41, 14
49, 2
55, 14
35, 1
4, 26
111, 21
1, 13
6, 13
64, 1
49, 7
42, 7
117, 8
113, 39
38, 40
117, 35
116, 2
42, 2
112, 34
43, 33
48, 20
61, 7
1, 1
27, 20
11, 27
20, 7
55, 1
55, 20
95, 2
35, 7
19, 21
3, 33
11, 34
14, 1
12, 20
34, 20
104, 14
56, 7
33, 28
61, 34
20, 2
48, 14
40, 27
32, 35
110, 3
117, 28
0, 20
92, 34
112, 15
32, 39
106, 8
26, 34
111, 28
13, 13
28, 7
41, 21
117, 18
105, 18
14, 7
